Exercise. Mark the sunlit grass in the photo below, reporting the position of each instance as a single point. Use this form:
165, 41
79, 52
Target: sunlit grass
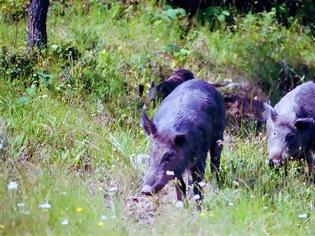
74, 145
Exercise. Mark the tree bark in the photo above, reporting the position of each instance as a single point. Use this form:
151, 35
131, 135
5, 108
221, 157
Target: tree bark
37, 15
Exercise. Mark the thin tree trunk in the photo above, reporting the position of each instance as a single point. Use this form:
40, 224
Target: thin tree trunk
37, 15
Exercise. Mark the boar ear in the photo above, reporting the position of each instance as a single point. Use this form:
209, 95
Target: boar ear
301, 123
179, 139
152, 84
140, 90
269, 112
147, 124
152, 90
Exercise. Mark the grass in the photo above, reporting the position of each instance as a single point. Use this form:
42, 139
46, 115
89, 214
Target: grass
70, 119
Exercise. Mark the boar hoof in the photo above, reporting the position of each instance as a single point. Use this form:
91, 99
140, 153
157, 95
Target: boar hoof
179, 204
219, 142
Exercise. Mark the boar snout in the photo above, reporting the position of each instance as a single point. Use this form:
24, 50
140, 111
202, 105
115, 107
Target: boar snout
150, 190
153, 184
147, 190
276, 161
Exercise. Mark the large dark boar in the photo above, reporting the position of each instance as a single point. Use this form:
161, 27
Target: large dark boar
291, 127
188, 123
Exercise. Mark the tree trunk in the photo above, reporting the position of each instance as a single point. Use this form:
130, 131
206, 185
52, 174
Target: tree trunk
37, 15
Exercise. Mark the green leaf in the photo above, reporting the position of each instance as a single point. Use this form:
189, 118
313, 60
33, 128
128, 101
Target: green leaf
221, 18
226, 13
23, 100
31, 91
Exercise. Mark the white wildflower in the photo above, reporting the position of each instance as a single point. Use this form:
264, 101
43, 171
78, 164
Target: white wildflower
103, 217
20, 204
113, 189
196, 197
302, 216
231, 204
202, 184
170, 173
236, 183
1, 142
179, 204
44, 205
12, 186
54, 47
64, 222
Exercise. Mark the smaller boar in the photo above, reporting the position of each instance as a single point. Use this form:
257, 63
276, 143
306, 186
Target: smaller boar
188, 123
162, 90
178, 77
291, 127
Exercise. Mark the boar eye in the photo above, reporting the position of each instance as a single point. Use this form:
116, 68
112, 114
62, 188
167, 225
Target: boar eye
167, 157
275, 133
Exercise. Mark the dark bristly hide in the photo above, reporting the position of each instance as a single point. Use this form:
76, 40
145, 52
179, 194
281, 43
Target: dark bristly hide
189, 122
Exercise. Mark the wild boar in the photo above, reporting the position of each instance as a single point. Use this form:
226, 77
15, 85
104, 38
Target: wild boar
162, 90
291, 127
179, 76
189, 122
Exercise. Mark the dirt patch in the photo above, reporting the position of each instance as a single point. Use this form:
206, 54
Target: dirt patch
142, 209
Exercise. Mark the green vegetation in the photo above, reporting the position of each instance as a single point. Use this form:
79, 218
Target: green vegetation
70, 121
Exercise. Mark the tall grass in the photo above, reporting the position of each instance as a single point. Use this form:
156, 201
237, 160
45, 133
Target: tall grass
70, 122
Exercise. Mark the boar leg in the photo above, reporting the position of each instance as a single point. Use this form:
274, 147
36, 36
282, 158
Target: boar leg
215, 153
180, 189
197, 176
311, 166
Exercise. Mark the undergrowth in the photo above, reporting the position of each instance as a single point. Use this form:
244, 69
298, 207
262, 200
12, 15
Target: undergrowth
70, 121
